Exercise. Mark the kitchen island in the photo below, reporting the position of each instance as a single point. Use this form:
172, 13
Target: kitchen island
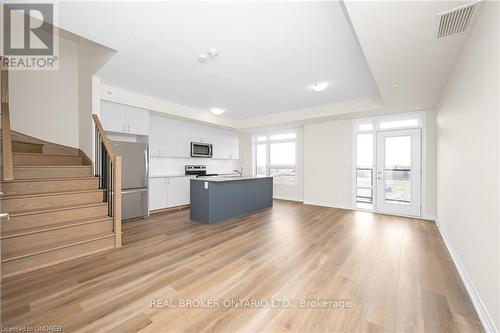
219, 198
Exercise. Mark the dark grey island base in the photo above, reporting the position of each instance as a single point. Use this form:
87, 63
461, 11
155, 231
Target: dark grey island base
215, 199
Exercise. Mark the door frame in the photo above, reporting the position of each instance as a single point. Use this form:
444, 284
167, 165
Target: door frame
375, 123
378, 200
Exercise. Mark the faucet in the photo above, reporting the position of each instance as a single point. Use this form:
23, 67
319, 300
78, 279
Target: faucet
239, 172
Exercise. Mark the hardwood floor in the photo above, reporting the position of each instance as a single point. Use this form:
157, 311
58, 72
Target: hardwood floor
393, 273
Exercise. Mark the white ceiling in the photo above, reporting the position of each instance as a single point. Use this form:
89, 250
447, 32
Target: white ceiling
269, 52
399, 41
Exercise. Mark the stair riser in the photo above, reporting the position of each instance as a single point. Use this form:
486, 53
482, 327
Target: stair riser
49, 186
30, 221
54, 201
25, 147
15, 267
47, 172
34, 160
52, 237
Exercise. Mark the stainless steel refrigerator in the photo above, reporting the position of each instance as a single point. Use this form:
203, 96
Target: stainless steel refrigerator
135, 176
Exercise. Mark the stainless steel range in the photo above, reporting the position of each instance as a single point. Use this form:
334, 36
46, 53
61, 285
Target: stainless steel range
197, 170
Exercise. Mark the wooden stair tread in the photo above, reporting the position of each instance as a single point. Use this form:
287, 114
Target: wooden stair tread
49, 194
23, 180
40, 211
42, 154
56, 207
51, 166
29, 143
60, 245
53, 226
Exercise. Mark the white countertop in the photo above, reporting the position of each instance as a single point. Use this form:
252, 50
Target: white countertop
170, 176
228, 178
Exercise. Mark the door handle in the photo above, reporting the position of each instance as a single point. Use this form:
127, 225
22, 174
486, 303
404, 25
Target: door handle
380, 178
4, 216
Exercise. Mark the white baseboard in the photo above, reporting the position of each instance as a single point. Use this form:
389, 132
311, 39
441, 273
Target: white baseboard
482, 312
326, 204
284, 197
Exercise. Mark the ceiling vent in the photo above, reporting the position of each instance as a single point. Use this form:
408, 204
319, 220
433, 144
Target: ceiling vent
457, 20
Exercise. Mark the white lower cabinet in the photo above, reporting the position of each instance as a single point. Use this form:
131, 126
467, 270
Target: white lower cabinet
178, 191
169, 192
157, 193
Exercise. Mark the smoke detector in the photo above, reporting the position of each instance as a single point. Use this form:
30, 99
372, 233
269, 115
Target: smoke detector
457, 20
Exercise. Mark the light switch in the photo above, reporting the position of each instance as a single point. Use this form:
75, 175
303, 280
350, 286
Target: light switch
206, 185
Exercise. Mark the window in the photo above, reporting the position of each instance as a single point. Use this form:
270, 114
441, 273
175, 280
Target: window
275, 155
284, 136
261, 157
365, 127
364, 171
397, 173
282, 153
399, 123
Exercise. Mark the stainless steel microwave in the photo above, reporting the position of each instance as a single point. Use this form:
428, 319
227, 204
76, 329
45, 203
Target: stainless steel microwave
199, 149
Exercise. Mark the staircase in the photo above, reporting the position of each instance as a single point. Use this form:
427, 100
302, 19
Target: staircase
57, 211
53, 208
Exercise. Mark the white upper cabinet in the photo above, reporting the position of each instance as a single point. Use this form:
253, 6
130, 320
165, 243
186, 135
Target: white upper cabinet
124, 118
226, 145
172, 138
113, 118
172, 133
157, 137
234, 146
138, 121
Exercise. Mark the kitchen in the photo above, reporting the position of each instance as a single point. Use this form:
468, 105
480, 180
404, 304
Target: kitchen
254, 150
178, 152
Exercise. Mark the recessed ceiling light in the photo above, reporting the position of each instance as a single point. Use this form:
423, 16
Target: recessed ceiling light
213, 53
217, 111
202, 58
319, 86
395, 84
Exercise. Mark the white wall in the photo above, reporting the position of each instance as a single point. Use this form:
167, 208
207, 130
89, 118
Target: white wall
118, 95
56, 106
429, 170
328, 158
328, 164
294, 192
91, 58
246, 153
44, 104
468, 159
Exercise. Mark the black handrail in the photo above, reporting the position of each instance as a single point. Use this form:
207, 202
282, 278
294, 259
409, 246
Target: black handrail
104, 170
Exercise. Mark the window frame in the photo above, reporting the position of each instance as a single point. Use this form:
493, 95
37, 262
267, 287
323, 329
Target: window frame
376, 122
267, 142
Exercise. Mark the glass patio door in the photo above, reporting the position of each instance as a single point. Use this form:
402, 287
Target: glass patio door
399, 172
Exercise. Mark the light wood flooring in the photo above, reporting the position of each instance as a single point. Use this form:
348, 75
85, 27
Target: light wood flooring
395, 272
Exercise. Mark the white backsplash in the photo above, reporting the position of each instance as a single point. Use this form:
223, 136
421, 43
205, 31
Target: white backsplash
175, 166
